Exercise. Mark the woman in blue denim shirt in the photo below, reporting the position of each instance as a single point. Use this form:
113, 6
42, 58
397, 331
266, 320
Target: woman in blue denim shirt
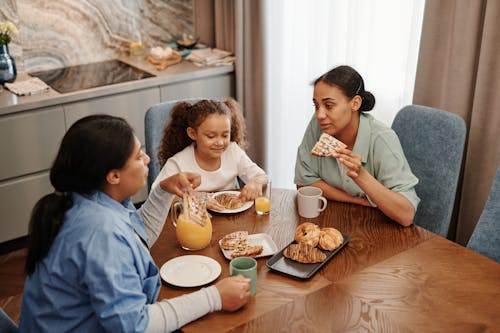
89, 267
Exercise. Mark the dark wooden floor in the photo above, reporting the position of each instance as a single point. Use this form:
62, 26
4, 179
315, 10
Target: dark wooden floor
11, 282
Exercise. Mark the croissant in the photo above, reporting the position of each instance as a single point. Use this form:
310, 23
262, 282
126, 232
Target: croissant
307, 233
330, 239
304, 253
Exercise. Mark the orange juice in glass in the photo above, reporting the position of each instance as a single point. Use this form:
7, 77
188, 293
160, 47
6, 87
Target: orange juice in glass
191, 235
263, 202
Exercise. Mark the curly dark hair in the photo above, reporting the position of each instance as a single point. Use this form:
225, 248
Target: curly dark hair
184, 115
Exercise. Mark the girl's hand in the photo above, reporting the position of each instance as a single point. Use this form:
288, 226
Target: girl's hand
250, 191
234, 292
351, 160
181, 182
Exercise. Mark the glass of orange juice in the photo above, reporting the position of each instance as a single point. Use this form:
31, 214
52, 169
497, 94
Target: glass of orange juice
191, 235
263, 201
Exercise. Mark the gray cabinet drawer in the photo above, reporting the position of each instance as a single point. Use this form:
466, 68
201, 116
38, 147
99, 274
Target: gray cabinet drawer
17, 199
217, 87
30, 141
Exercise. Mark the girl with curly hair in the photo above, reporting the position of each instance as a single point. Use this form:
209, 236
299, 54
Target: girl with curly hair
209, 137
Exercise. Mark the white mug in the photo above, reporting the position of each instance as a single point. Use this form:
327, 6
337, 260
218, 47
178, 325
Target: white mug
310, 201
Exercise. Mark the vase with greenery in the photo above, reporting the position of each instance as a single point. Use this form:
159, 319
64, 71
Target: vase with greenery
8, 71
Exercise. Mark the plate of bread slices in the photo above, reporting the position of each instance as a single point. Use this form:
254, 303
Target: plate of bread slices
241, 244
310, 250
230, 202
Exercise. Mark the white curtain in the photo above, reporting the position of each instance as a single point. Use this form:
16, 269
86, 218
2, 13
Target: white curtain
304, 39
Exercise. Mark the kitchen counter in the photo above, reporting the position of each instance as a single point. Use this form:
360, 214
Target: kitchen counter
184, 71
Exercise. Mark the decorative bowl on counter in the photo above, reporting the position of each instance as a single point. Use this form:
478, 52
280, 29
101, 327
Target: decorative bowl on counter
187, 42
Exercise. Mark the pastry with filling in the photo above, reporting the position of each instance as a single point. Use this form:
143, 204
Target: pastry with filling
330, 239
304, 253
195, 209
235, 240
249, 251
307, 233
229, 200
326, 145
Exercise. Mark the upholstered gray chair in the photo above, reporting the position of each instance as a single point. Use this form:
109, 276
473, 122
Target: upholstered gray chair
486, 236
6, 324
433, 142
154, 121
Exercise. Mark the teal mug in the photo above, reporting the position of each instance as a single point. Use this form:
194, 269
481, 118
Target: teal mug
247, 267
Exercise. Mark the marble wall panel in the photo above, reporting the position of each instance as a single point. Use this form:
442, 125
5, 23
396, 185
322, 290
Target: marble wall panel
61, 33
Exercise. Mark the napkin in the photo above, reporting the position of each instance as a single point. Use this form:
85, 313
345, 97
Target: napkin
30, 86
211, 57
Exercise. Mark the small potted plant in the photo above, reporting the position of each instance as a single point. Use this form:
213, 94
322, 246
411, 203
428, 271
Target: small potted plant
7, 64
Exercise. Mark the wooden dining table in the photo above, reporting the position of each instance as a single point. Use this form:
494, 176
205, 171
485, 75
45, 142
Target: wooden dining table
388, 278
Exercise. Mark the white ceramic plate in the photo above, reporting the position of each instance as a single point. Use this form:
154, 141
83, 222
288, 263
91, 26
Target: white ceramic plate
245, 206
190, 271
269, 246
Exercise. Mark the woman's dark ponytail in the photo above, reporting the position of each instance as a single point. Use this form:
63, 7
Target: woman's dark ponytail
45, 222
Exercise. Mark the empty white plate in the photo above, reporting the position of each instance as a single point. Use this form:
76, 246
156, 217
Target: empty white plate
190, 271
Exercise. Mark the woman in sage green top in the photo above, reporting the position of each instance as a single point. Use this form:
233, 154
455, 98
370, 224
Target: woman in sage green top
372, 170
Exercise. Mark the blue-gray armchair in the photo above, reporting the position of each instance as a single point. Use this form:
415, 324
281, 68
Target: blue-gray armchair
154, 122
433, 142
486, 236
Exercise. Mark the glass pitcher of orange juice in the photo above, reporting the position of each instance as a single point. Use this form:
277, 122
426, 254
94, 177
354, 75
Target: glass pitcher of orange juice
192, 231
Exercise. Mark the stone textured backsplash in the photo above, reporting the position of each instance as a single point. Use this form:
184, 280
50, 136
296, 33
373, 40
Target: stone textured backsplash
54, 34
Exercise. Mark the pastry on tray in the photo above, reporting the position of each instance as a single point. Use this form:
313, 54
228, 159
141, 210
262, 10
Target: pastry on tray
235, 240
330, 239
249, 251
311, 239
238, 242
307, 233
304, 253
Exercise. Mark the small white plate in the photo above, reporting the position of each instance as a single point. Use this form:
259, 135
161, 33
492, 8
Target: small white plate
245, 206
190, 271
269, 246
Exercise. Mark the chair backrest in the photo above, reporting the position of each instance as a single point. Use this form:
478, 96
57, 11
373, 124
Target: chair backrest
486, 236
7, 325
154, 121
433, 142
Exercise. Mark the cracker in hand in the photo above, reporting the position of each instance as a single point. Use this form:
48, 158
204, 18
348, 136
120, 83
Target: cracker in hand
326, 145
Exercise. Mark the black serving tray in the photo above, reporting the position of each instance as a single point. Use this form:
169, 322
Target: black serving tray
280, 263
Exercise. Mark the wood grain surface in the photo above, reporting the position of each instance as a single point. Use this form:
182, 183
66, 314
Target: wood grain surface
388, 278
